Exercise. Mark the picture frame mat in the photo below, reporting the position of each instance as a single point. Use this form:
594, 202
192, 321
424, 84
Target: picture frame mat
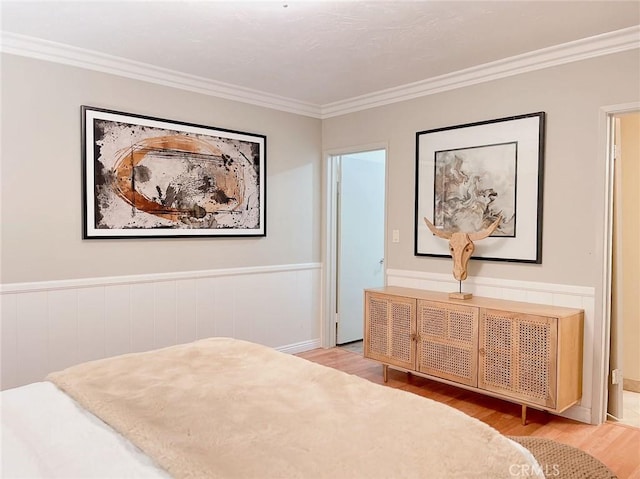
526, 131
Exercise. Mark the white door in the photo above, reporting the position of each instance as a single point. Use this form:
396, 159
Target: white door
360, 259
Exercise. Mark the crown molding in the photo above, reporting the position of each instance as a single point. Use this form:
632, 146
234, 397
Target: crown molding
605, 44
79, 57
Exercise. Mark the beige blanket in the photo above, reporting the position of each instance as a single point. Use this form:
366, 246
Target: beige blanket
223, 408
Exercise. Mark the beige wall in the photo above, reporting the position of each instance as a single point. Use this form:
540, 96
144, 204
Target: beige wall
41, 178
572, 96
630, 157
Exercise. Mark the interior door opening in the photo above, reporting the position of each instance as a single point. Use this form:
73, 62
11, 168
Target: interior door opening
359, 237
623, 385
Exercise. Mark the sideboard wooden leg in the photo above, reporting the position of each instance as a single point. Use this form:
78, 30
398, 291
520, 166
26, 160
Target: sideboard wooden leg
385, 372
524, 415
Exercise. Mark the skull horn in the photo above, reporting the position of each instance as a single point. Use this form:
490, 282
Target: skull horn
437, 232
478, 235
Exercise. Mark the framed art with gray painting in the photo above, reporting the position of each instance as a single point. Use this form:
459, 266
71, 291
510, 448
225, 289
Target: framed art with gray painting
468, 175
146, 177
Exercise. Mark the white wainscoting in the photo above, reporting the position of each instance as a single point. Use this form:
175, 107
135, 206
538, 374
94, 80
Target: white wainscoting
531, 292
47, 326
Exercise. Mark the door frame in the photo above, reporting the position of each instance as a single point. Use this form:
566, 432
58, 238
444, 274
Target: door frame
330, 237
602, 332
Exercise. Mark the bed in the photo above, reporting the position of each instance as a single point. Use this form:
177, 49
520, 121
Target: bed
225, 408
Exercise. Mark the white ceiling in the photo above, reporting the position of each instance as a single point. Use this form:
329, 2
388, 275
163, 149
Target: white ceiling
317, 52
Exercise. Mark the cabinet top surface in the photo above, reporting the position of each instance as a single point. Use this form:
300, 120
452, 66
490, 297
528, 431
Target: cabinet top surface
479, 302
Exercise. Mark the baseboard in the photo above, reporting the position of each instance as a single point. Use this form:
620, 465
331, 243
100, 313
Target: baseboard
631, 385
300, 347
578, 413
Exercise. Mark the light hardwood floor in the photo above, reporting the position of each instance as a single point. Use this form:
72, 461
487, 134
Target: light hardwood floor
616, 445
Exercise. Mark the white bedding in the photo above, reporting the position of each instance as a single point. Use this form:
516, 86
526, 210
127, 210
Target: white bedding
46, 434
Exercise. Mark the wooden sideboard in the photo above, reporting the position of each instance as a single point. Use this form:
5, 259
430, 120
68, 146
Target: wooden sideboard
527, 353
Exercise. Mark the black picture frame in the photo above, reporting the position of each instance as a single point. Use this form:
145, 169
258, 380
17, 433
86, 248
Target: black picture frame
147, 177
468, 174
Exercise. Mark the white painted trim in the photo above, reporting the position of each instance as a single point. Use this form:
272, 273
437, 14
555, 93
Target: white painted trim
149, 278
349, 150
494, 282
32, 47
329, 251
299, 347
604, 44
578, 413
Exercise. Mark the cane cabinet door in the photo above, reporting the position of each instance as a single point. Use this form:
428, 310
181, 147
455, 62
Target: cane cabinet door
448, 341
390, 329
517, 356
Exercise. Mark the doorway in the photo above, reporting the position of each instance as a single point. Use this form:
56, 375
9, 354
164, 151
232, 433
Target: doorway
357, 230
624, 359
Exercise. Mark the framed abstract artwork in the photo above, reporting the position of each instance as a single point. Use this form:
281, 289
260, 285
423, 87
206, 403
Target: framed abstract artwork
469, 175
146, 177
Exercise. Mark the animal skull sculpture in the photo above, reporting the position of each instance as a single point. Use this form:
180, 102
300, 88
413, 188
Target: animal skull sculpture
461, 245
